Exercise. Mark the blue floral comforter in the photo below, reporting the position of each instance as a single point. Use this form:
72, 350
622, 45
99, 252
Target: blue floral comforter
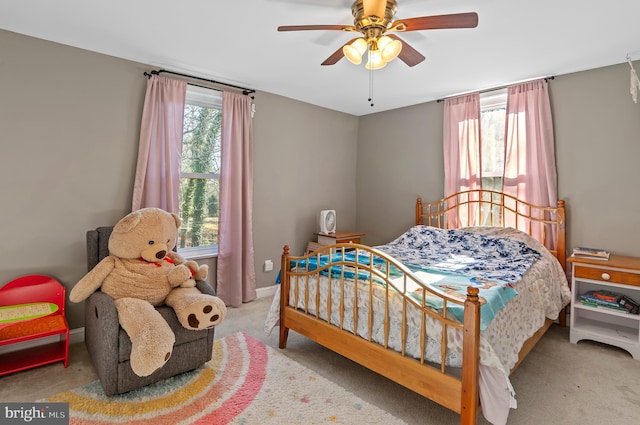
499, 260
451, 260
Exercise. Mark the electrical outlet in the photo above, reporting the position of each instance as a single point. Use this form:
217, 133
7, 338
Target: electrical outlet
268, 265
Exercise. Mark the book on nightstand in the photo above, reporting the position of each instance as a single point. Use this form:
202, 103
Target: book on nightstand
610, 300
630, 304
591, 297
582, 252
607, 295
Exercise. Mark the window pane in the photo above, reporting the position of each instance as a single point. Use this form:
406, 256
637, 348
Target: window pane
493, 113
493, 142
201, 140
199, 198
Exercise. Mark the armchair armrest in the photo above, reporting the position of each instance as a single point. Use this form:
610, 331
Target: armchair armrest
205, 288
101, 336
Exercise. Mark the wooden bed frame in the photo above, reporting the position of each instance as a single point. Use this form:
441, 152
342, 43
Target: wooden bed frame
435, 382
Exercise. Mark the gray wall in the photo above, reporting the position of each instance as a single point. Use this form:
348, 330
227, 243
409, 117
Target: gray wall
304, 160
597, 135
69, 131
69, 124
597, 129
400, 157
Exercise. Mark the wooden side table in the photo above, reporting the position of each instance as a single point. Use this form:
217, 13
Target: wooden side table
338, 237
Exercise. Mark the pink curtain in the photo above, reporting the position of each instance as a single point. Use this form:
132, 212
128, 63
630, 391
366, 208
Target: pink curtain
236, 272
462, 159
530, 164
157, 179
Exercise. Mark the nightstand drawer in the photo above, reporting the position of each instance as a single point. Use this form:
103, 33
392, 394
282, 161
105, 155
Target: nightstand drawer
607, 275
339, 237
348, 240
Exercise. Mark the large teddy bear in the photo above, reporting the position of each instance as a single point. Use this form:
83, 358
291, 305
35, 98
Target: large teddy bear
141, 272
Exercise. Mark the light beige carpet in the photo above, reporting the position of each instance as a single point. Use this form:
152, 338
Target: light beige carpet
245, 383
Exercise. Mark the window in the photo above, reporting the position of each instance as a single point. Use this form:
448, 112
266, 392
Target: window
493, 111
200, 172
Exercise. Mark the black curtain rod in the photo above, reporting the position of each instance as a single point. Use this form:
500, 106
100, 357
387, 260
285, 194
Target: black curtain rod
547, 79
245, 90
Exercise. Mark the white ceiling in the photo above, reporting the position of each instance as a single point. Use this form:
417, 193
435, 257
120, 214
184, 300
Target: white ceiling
236, 41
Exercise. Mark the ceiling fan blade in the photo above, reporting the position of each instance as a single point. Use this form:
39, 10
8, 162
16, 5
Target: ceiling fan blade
374, 7
316, 27
456, 20
408, 54
338, 54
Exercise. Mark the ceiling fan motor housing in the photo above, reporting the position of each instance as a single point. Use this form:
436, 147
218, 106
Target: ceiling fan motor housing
373, 26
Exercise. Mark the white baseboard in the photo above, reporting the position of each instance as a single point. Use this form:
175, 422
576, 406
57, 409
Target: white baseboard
76, 335
267, 292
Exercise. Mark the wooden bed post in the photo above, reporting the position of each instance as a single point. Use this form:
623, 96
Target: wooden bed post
418, 211
469, 408
561, 249
284, 296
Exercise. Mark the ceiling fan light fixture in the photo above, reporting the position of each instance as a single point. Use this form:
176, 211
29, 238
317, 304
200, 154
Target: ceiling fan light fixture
355, 50
375, 60
389, 48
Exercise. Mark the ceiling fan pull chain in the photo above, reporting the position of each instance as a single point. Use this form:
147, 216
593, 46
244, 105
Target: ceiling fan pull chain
371, 85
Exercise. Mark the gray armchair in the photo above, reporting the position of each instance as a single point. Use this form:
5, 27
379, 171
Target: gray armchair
109, 345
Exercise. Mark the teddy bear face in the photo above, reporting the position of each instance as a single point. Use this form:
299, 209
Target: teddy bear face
149, 233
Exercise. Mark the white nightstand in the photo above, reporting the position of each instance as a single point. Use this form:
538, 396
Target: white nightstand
618, 274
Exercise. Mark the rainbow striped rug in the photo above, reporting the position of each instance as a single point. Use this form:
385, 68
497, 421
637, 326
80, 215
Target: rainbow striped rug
245, 383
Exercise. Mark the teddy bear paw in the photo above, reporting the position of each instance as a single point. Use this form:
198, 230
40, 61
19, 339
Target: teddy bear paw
180, 275
206, 314
146, 359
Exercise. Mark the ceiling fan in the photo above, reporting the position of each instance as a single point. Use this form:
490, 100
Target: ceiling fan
374, 19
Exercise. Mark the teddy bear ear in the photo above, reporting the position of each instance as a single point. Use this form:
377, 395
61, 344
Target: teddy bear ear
128, 222
177, 220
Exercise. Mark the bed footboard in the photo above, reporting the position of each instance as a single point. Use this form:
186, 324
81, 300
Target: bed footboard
354, 303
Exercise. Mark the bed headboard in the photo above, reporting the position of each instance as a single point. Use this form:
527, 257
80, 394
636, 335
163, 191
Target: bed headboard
481, 207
